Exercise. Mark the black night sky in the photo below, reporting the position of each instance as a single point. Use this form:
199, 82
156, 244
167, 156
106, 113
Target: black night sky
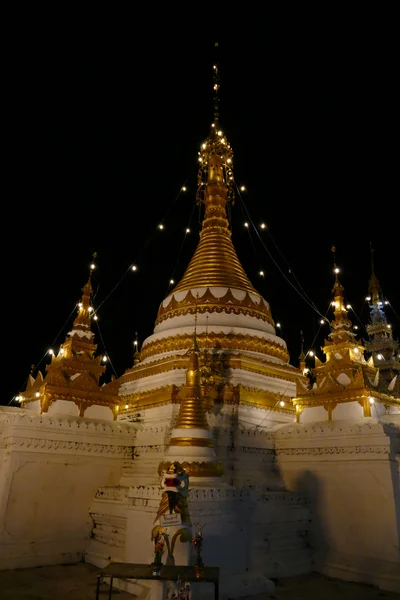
103, 129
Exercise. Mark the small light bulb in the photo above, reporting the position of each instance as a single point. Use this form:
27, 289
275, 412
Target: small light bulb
246, 224
184, 189
356, 350
322, 321
200, 159
386, 301
242, 188
262, 273
104, 358
355, 326
379, 356
212, 124
134, 268
311, 353
51, 351
333, 303
135, 343
126, 405
282, 403
91, 309
228, 160
187, 230
368, 298
371, 400
263, 226
92, 266
37, 394
95, 317
348, 306
171, 281
80, 304
337, 270
278, 324
305, 371
161, 226
219, 132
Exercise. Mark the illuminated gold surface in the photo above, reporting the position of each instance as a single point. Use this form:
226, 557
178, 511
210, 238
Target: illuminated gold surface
191, 441
228, 394
215, 262
192, 413
75, 356
196, 469
237, 341
231, 361
343, 359
208, 303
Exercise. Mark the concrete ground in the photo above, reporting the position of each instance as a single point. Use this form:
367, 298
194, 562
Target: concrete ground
78, 582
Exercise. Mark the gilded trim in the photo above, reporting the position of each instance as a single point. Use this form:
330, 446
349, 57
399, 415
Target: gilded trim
190, 304
216, 340
191, 441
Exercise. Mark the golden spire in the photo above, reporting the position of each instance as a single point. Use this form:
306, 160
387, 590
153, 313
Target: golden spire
83, 319
341, 324
373, 287
74, 373
215, 263
302, 357
191, 412
136, 353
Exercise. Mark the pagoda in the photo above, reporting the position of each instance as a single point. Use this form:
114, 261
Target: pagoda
236, 332
71, 384
208, 387
383, 349
346, 385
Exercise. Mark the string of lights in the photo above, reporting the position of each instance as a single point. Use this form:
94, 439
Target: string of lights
263, 226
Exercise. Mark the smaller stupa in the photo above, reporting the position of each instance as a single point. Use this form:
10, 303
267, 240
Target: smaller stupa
71, 384
345, 385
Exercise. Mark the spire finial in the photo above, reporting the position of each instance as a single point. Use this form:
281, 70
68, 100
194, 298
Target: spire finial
216, 87
374, 286
136, 353
92, 264
372, 258
336, 270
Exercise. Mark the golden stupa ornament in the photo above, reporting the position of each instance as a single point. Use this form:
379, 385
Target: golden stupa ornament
74, 372
345, 376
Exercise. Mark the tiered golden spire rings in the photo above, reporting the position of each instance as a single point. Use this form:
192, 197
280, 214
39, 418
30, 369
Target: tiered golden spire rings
217, 146
191, 413
340, 310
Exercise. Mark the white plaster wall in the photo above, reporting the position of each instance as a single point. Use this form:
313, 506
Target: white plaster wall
33, 406
50, 469
63, 407
350, 472
99, 412
347, 410
316, 413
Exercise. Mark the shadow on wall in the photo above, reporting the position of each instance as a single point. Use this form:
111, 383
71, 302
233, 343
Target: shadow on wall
308, 484
395, 472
